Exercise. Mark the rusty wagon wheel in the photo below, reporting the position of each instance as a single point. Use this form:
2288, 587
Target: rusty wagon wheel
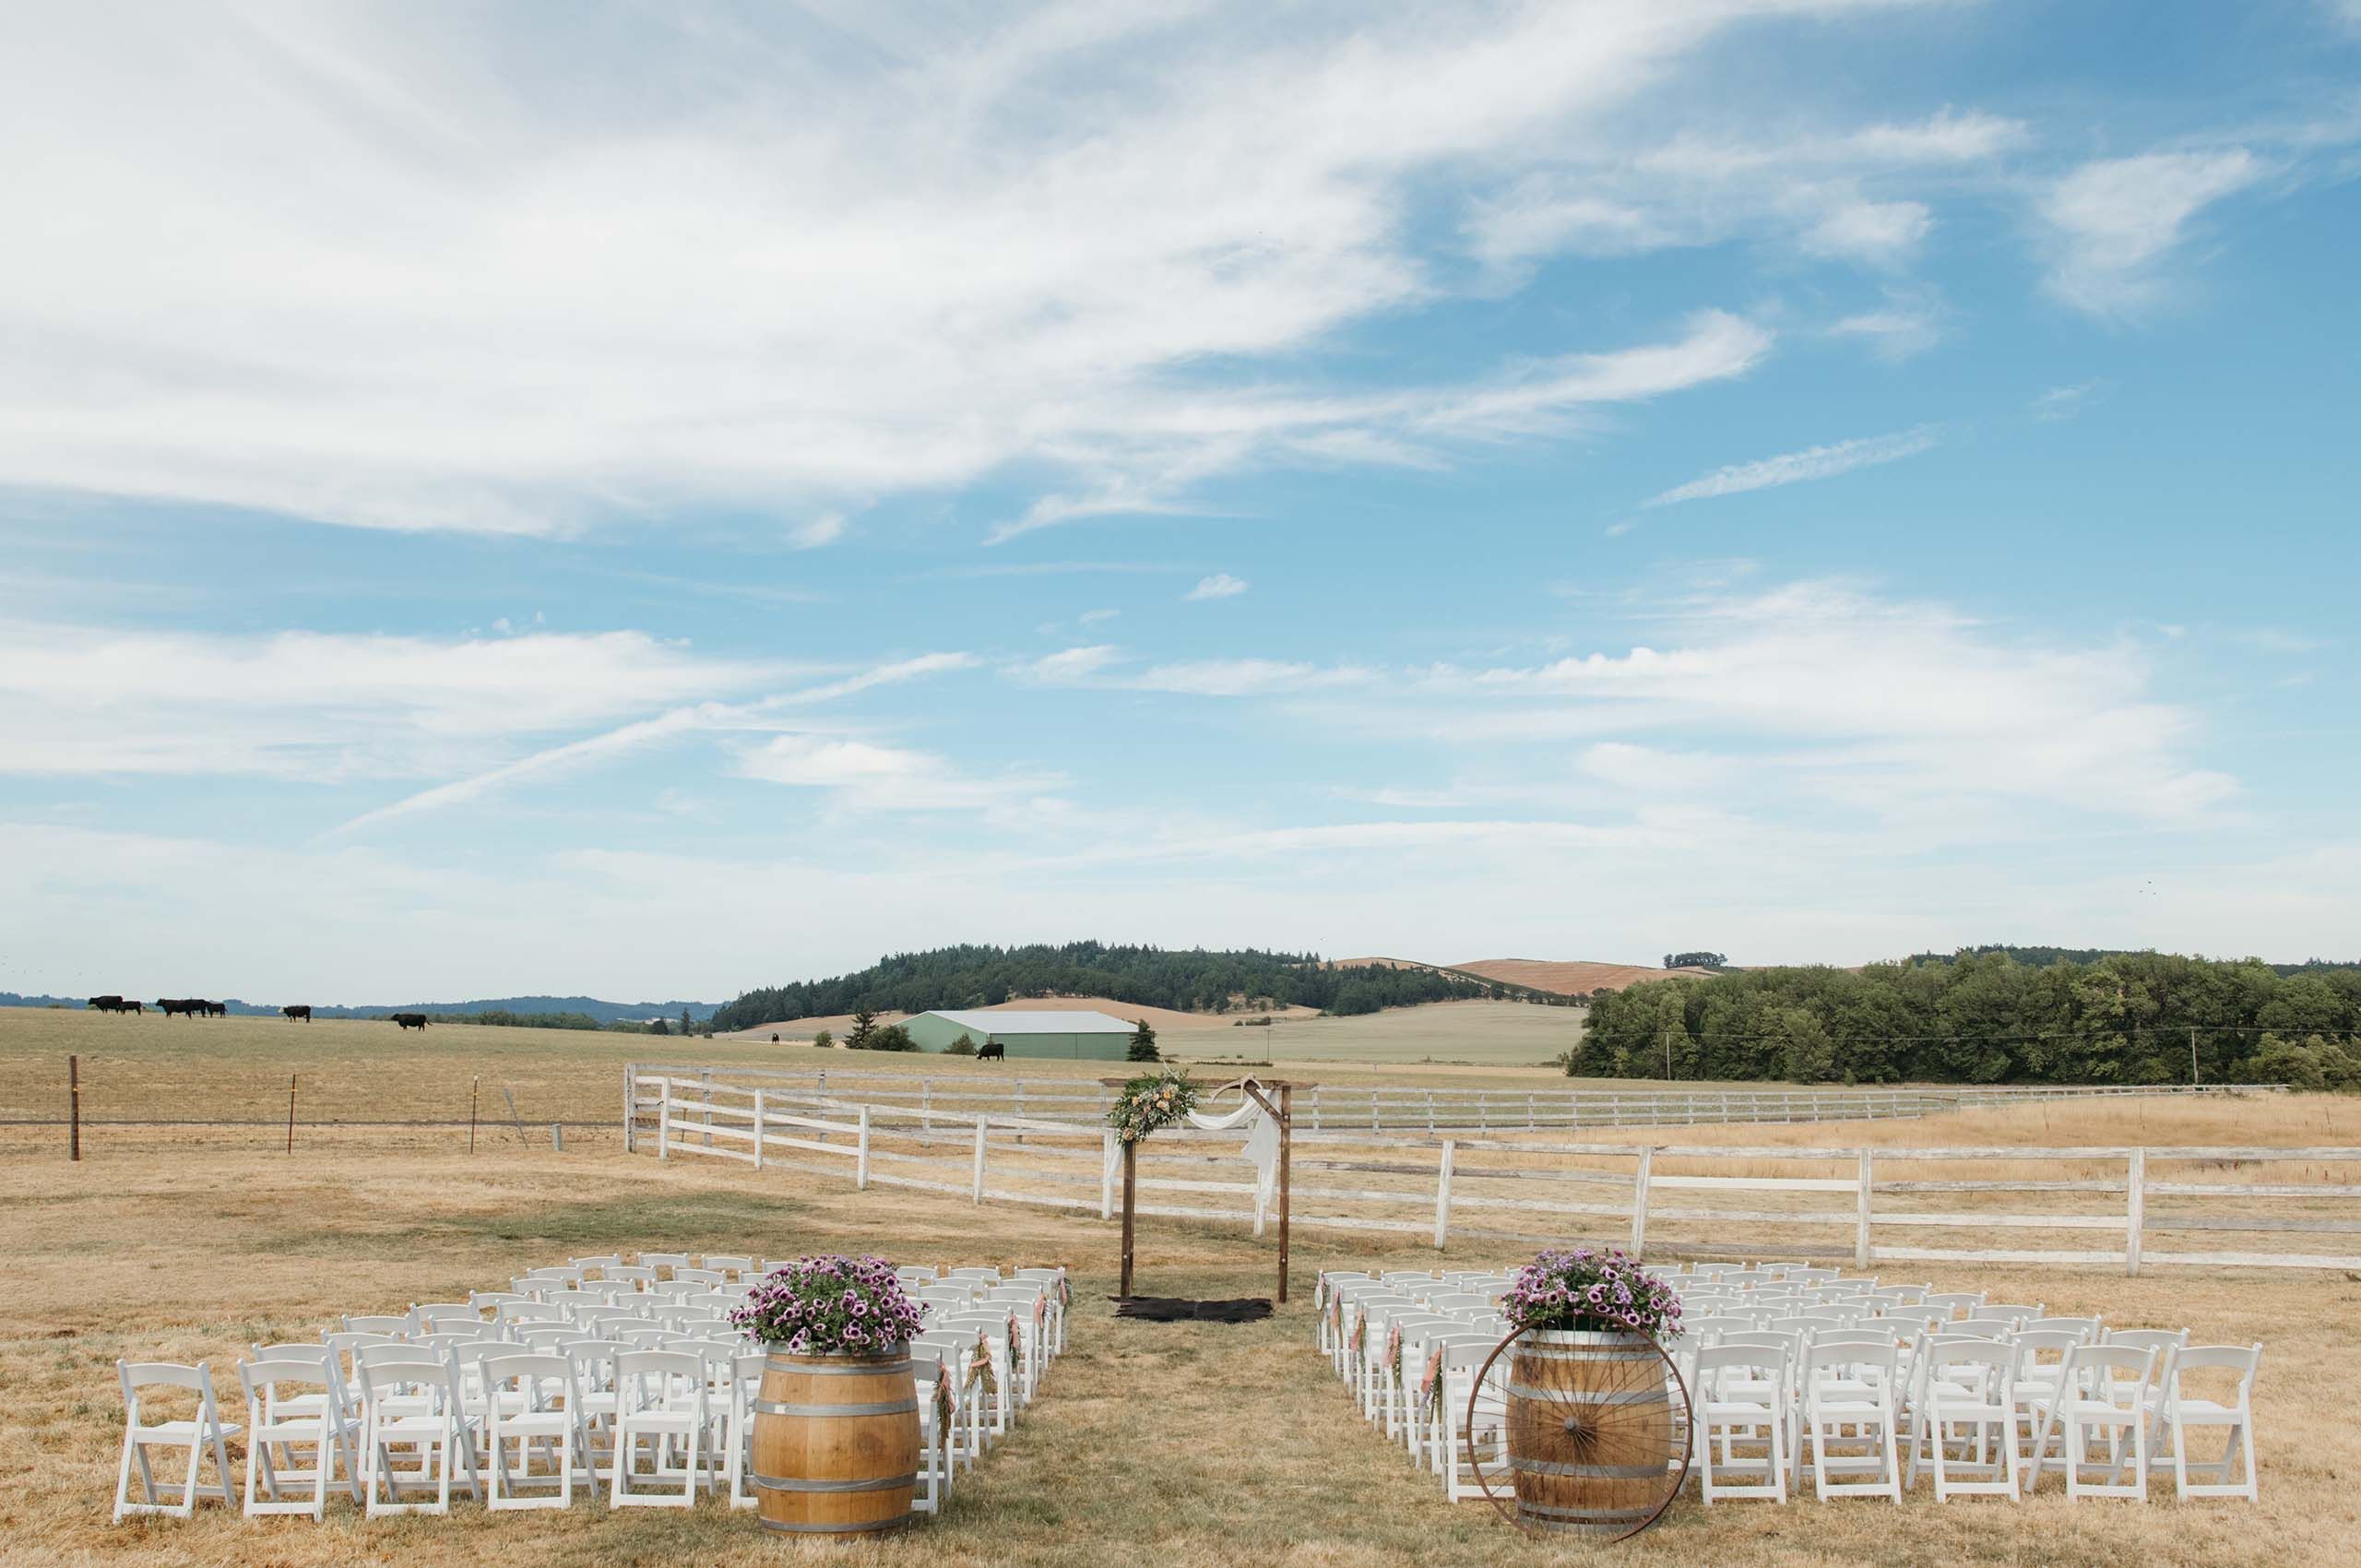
1601, 1455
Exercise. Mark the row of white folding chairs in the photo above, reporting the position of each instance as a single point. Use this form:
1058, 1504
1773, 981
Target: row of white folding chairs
1770, 1404
456, 1410
1411, 1345
335, 1405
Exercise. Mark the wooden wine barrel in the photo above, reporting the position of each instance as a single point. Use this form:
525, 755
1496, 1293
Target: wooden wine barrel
1606, 1479
836, 1442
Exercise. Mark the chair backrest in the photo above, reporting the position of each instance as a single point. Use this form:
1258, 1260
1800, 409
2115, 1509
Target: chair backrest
2241, 1361
261, 1378
719, 1264
1829, 1352
1959, 1304
2149, 1338
699, 1276
594, 1361
537, 1374
666, 1378
528, 1311
2086, 1329
1768, 1363
638, 1274
2119, 1373
663, 1260
295, 1351
604, 1260
398, 1327
136, 1376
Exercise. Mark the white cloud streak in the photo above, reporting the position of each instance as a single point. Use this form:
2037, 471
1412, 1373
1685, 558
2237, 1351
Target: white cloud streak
1221, 585
1798, 468
2114, 221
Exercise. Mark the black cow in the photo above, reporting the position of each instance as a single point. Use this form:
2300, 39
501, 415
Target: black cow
303, 1013
409, 1020
213, 1009
130, 1007
174, 1006
105, 1004
991, 1051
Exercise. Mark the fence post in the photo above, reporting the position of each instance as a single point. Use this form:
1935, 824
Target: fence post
1640, 1201
630, 1105
759, 1125
2135, 1210
860, 1164
977, 1188
1861, 1251
74, 1107
1443, 1195
664, 1121
705, 1078
1316, 1108
926, 1111
557, 1137
1430, 1113
1107, 1174
1532, 1111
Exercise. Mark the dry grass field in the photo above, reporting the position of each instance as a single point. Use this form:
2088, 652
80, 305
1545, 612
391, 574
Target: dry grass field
1181, 1444
352, 1070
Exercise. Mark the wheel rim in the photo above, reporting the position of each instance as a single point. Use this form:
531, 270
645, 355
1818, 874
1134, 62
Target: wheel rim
1615, 1425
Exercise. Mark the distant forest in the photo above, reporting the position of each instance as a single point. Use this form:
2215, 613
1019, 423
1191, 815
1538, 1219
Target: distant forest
1191, 980
1985, 1017
2093, 955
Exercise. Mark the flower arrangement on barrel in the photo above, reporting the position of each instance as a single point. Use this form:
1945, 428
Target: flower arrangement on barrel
831, 1306
1151, 1102
1584, 1291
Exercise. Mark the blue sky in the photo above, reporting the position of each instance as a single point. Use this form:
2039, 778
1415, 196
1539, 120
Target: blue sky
657, 500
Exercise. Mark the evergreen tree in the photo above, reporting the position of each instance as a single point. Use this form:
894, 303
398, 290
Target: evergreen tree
1142, 1047
864, 1023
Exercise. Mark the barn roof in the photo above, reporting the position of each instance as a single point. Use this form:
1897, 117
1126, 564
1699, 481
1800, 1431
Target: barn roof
1046, 1023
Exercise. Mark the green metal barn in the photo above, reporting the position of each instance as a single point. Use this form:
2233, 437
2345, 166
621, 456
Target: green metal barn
1093, 1036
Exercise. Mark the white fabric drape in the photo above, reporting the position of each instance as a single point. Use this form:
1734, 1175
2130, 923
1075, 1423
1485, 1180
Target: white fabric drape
1262, 1147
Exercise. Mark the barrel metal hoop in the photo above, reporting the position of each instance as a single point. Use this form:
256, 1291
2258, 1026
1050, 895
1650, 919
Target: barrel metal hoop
888, 1407
883, 1483
1577, 1396
788, 1527
873, 1369
1604, 1472
1589, 1516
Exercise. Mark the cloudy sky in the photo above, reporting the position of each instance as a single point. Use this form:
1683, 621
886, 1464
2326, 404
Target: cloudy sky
654, 499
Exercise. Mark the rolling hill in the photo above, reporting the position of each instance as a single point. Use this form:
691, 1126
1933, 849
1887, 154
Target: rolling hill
1555, 977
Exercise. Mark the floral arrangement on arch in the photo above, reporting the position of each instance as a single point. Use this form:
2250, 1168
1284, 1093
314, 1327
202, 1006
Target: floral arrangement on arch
1150, 1102
1589, 1291
831, 1306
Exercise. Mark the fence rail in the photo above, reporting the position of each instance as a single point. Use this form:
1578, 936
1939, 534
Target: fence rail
1333, 1108
1473, 1187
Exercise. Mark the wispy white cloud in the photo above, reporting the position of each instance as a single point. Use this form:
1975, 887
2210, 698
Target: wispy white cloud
769, 262
1797, 468
825, 528
2062, 403
864, 775
2113, 221
574, 755
1221, 585
325, 706
1909, 323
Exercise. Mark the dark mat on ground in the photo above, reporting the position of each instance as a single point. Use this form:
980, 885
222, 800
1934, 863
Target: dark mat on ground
1179, 1309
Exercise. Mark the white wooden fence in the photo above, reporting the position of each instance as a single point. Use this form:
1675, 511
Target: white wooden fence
1507, 1188
1333, 1108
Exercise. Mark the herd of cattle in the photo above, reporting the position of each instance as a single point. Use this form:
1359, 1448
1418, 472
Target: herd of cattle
198, 1007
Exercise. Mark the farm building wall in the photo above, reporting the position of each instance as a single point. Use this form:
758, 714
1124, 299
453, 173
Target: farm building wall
933, 1032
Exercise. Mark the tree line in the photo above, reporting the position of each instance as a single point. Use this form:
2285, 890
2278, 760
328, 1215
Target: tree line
1192, 979
1985, 1017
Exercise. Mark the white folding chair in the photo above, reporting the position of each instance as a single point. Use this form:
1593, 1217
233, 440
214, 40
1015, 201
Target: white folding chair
1740, 1399
1967, 1395
279, 1423
202, 1434
533, 1400
1847, 1381
2183, 1411
410, 1400
663, 1402
2106, 1394
746, 1380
